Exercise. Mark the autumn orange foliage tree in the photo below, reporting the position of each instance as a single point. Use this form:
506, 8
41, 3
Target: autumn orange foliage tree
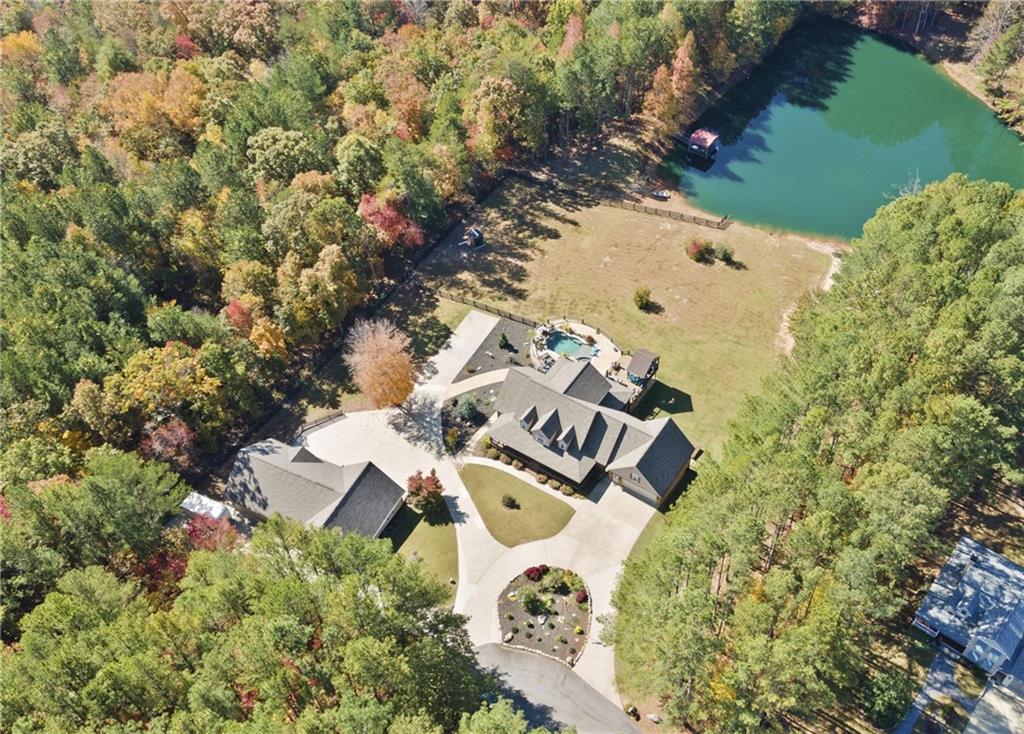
377, 355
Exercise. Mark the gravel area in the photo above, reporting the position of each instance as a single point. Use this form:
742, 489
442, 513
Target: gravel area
490, 356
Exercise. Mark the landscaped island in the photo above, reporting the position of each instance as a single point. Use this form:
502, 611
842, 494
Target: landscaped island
546, 610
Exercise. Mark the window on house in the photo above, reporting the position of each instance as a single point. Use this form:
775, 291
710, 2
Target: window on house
635, 476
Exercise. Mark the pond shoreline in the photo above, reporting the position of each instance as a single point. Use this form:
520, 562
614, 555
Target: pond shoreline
809, 146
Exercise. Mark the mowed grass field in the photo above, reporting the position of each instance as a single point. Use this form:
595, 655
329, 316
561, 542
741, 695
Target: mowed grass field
550, 253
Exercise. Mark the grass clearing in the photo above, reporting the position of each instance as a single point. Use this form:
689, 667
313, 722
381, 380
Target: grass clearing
430, 538
716, 327
538, 516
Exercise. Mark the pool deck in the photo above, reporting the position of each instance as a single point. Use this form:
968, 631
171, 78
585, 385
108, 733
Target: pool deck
607, 352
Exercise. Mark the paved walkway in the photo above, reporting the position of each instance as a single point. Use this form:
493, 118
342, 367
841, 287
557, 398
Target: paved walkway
940, 681
594, 543
484, 379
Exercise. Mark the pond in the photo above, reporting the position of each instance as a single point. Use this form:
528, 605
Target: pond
835, 123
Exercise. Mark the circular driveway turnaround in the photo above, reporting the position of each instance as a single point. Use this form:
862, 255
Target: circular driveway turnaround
551, 694
594, 543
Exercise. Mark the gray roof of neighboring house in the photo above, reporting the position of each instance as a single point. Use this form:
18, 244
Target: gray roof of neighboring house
270, 477
978, 594
603, 435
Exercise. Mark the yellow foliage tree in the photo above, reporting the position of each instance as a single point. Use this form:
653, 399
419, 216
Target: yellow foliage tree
377, 355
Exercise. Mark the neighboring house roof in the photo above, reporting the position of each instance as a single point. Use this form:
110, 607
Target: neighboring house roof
603, 436
977, 601
270, 477
200, 504
641, 363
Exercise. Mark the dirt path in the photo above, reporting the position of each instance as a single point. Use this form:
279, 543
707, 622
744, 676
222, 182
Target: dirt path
784, 340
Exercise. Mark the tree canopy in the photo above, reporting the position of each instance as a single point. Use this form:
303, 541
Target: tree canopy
904, 393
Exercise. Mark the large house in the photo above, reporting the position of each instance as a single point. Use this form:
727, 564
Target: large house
270, 477
571, 424
976, 608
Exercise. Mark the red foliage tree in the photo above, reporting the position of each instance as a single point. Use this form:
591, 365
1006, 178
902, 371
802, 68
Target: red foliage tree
394, 227
424, 491
172, 442
573, 35
239, 317
205, 533
184, 47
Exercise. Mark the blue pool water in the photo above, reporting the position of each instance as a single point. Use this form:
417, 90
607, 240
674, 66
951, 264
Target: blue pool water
570, 346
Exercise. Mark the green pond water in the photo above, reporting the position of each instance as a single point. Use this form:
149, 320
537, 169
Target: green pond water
832, 125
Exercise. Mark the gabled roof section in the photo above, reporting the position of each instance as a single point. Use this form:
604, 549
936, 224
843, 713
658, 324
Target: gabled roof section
270, 477
604, 436
978, 594
548, 424
578, 379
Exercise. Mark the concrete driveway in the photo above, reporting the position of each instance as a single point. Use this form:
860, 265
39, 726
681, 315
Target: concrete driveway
551, 695
594, 543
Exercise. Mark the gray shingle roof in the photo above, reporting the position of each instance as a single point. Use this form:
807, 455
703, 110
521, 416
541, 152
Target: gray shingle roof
578, 379
270, 477
641, 363
978, 594
660, 459
604, 436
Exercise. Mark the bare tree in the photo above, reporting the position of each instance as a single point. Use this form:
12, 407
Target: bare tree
996, 18
377, 355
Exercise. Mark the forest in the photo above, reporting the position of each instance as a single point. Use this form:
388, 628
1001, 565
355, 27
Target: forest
198, 192
196, 195
758, 601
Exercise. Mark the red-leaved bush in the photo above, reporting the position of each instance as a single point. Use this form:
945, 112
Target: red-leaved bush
184, 47
534, 573
172, 442
581, 596
239, 317
392, 224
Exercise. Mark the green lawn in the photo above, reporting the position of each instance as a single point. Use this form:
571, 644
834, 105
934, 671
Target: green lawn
538, 516
717, 328
429, 538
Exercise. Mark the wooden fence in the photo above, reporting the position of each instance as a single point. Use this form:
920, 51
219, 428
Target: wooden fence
484, 307
722, 223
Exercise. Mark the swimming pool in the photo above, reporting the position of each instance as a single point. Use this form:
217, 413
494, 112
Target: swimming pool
568, 345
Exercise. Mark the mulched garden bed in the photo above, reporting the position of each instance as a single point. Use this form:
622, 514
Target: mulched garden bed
546, 610
491, 355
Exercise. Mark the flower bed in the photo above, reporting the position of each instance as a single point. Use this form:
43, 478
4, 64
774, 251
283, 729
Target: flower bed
546, 610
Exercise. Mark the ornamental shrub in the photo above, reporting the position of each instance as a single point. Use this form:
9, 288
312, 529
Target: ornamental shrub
541, 478
642, 298
701, 251
554, 483
582, 597
509, 502
505, 459
517, 464
566, 490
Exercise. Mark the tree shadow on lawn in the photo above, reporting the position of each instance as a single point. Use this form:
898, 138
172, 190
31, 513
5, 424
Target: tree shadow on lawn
406, 521
662, 398
413, 309
516, 218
